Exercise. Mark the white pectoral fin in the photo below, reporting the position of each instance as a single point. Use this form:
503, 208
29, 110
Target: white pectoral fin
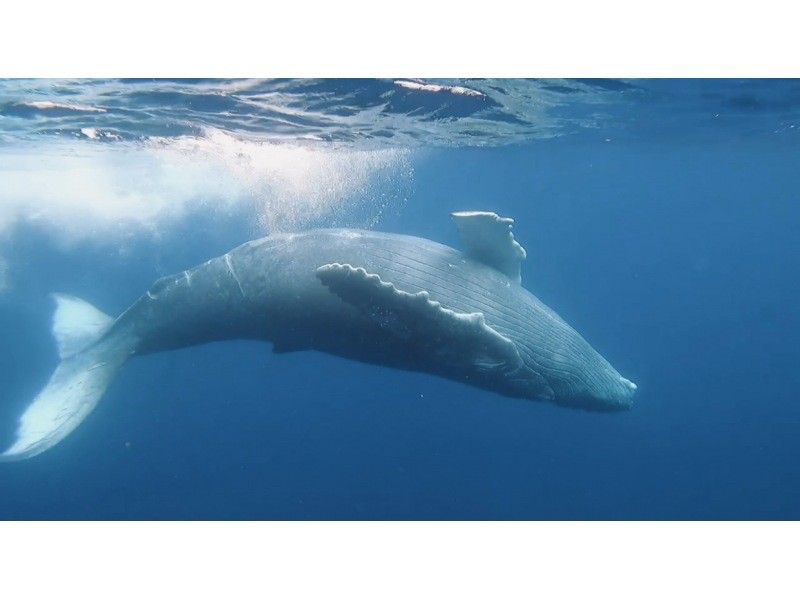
487, 238
464, 338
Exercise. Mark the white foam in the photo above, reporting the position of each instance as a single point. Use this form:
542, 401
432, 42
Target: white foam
93, 133
82, 190
90, 132
434, 88
48, 105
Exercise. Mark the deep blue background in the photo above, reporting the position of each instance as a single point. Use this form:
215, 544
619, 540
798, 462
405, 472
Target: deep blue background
675, 255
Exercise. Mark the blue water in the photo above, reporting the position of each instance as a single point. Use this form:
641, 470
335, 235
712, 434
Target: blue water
661, 220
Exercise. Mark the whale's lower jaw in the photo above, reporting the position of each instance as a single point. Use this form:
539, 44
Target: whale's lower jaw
615, 394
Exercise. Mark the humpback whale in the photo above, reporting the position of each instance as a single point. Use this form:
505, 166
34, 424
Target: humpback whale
387, 299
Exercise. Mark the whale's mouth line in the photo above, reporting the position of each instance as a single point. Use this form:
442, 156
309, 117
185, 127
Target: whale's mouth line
625, 398
630, 385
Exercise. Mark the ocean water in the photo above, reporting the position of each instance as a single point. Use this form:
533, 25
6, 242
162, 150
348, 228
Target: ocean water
661, 220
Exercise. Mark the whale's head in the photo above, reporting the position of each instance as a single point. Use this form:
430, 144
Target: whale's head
572, 374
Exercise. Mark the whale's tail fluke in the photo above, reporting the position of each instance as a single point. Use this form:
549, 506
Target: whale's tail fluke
89, 360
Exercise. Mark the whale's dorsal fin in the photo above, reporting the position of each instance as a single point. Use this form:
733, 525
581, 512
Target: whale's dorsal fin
462, 339
487, 238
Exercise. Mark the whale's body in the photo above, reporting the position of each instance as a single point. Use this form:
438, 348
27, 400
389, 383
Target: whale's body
388, 299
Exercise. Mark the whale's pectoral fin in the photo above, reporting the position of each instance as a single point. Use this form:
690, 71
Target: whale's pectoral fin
462, 339
487, 238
